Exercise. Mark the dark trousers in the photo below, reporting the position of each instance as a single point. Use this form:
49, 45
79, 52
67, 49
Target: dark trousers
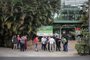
58, 46
48, 47
22, 47
43, 46
12, 45
65, 47
18, 44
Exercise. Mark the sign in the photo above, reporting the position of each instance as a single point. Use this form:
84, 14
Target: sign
45, 31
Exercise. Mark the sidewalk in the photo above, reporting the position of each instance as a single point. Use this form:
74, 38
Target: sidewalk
7, 52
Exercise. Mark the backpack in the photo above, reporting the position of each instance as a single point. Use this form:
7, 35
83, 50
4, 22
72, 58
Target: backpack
64, 40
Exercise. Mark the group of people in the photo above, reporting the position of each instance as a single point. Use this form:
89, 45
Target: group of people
19, 42
51, 43
46, 43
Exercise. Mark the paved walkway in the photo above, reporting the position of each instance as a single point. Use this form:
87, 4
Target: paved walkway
7, 52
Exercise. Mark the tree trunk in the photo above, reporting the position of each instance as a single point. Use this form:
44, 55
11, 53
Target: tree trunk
89, 24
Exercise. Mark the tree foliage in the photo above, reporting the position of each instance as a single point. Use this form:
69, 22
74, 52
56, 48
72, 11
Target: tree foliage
84, 14
25, 16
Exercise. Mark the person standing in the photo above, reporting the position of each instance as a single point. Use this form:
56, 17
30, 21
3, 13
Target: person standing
52, 43
14, 42
58, 43
22, 44
18, 39
65, 44
25, 37
48, 44
43, 41
36, 43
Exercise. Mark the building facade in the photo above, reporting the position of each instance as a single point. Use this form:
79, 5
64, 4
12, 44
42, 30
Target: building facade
68, 22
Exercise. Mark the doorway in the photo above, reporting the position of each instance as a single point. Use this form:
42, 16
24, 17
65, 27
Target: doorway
70, 32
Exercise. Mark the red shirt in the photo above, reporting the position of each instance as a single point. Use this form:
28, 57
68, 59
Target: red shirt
36, 40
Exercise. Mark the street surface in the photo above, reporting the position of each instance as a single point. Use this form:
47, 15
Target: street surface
30, 54
8, 52
46, 58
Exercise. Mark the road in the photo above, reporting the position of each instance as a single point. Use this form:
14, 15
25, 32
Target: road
46, 58
9, 54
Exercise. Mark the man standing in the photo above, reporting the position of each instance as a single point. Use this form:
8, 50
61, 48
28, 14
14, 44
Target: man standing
43, 41
14, 42
22, 43
52, 43
25, 37
58, 43
65, 43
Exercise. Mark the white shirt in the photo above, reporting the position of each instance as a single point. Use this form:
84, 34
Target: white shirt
51, 40
43, 40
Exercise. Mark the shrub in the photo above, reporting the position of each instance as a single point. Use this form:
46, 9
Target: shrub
82, 48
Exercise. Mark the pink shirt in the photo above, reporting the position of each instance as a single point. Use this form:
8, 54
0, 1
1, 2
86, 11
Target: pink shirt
18, 38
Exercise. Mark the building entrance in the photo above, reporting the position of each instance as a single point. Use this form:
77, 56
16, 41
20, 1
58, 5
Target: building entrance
70, 32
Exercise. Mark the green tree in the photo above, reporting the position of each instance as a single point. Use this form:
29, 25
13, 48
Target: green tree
24, 17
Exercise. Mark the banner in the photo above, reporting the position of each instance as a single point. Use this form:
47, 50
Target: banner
45, 31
